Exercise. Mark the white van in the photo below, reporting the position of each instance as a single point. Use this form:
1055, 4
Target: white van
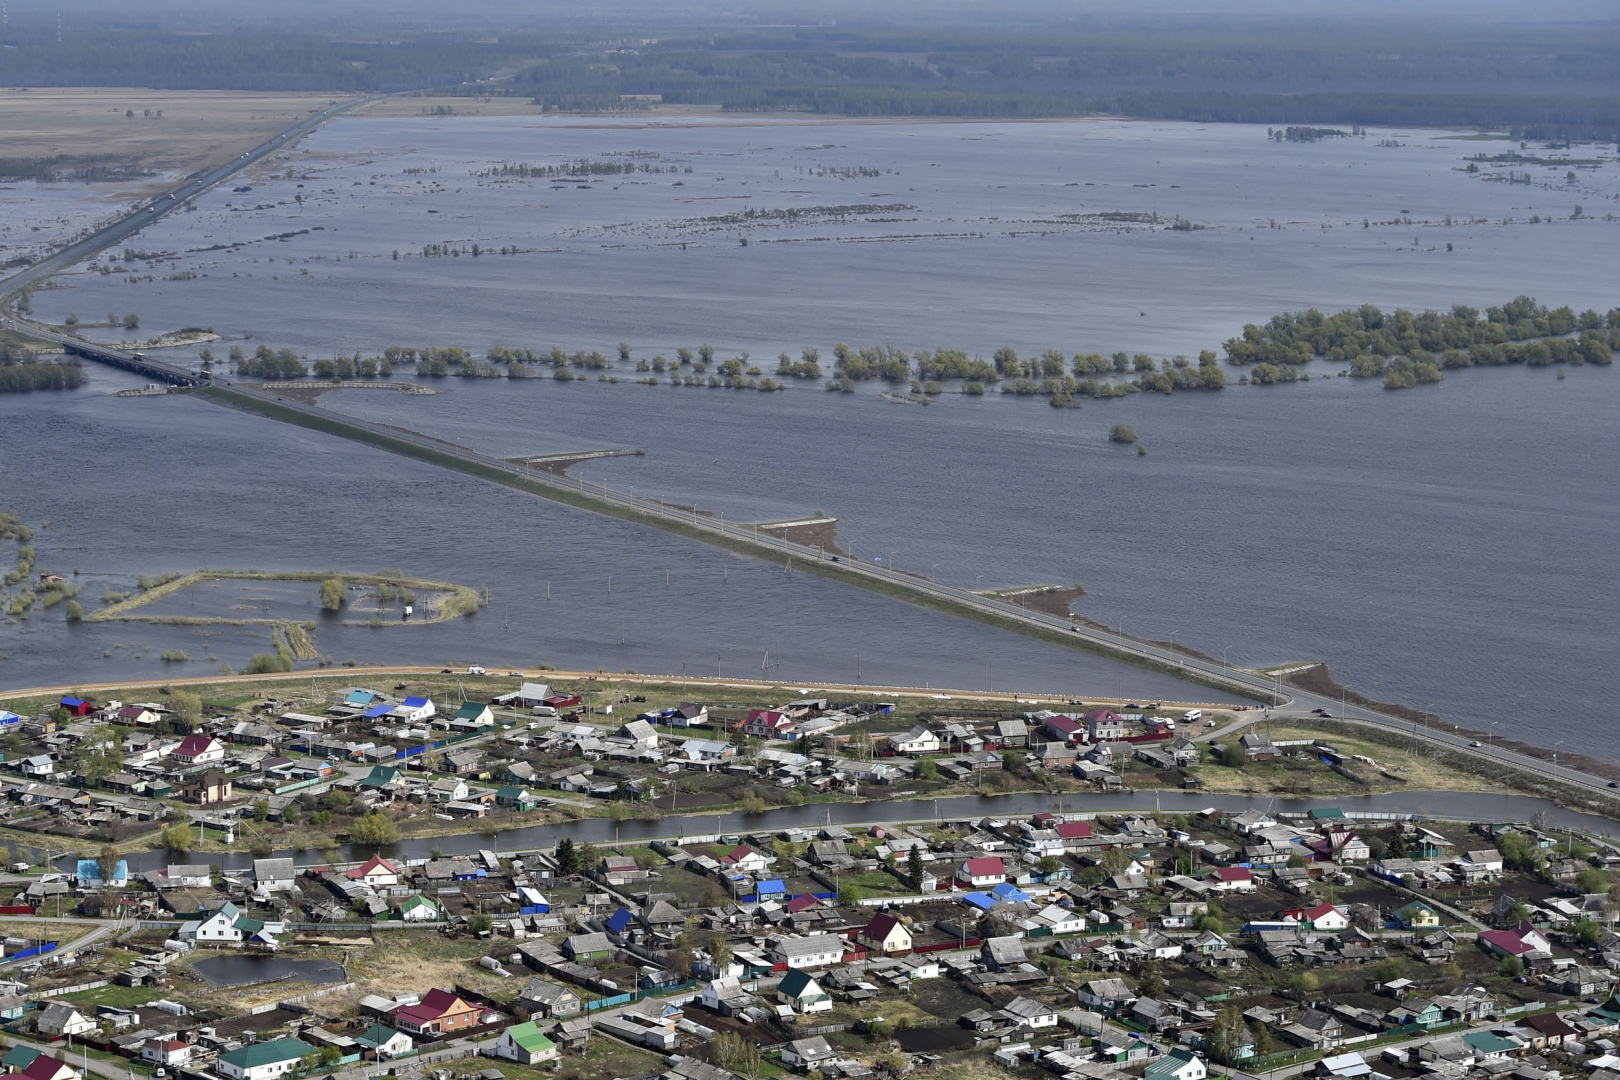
474, 669
1193, 716
542, 710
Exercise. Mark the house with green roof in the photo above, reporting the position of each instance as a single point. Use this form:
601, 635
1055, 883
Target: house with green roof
383, 1041
1417, 916
1178, 1064
418, 909
802, 993
264, 1060
524, 1044
18, 1058
475, 713
516, 798
382, 778
1487, 1045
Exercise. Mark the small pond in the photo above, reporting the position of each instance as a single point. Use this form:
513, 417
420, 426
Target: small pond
246, 970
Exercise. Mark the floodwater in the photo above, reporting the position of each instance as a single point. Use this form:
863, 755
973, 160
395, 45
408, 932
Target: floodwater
1441, 546
245, 970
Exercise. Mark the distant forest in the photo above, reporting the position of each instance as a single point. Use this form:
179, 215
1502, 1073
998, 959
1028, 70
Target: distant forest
1541, 81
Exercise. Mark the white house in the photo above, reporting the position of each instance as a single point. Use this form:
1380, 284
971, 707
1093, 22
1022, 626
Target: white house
59, 1018
800, 992
38, 765
378, 873
746, 859
1027, 1012
415, 710
264, 1060
524, 1044
816, 950
921, 739
982, 872
1326, 917
169, 1052
1178, 1064
199, 750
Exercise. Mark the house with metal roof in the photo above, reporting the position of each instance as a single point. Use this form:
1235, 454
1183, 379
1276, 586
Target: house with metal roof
981, 872
264, 1060
415, 710
524, 1044
886, 934
799, 991
384, 1042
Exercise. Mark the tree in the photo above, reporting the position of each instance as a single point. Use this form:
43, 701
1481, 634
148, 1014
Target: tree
374, 828
1049, 864
332, 594
720, 954
107, 862
1542, 821
131, 321
1229, 1035
1150, 983
98, 755
480, 923
75, 611
1304, 982
927, 770
1262, 1040
914, 870
1122, 433
186, 707
1592, 880
849, 894
176, 839
1396, 848
624, 350
336, 800
1114, 861
261, 809
567, 857
731, 1051
679, 956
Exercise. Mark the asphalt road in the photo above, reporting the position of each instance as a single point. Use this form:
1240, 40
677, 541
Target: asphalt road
142, 216
1286, 702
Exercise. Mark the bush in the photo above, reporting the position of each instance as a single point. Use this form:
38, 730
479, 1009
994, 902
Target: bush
374, 828
332, 594
1122, 433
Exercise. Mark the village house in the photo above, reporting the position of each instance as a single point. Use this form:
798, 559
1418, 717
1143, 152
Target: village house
199, 750
524, 1044
921, 739
263, 1060
800, 992
440, 1012
981, 872
885, 934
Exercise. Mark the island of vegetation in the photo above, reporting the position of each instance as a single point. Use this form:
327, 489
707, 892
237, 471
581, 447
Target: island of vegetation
1402, 348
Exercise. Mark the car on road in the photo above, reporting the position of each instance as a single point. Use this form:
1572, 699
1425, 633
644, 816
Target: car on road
1320, 712
1614, 783
1474, 743
515, 674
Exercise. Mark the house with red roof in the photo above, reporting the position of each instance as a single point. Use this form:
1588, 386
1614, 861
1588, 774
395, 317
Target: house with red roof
982, 872
439, 1013
746, 859
1104, 724
885, 934
1074, 834
1064, 729
1231, 879
769, 724
169, 1052
48, 1068
199, 750
1523, 942
1323, 917
802, 902
378, 873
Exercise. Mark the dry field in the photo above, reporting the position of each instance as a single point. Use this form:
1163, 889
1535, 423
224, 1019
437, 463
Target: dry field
198, 128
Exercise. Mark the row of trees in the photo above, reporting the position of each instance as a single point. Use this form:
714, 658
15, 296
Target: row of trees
1465, 334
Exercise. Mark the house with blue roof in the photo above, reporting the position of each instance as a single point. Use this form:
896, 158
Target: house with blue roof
77, 706
618, 921
774, 888
415, 710
362, 698
1009, 893
377, 712
981, 900
88, 873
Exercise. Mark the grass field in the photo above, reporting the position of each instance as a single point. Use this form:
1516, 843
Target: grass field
197, 128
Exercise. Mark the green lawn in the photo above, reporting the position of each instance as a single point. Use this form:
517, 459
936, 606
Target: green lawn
120, 997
